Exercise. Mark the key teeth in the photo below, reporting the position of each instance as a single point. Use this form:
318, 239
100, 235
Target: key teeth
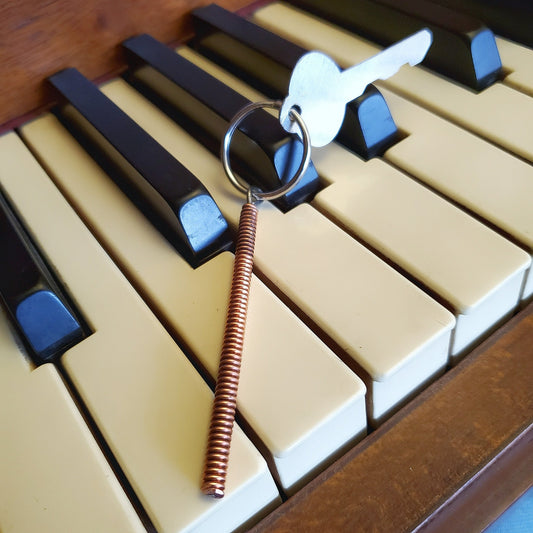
289, 125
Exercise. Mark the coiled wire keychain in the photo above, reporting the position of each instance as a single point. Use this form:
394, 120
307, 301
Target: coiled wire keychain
225, 401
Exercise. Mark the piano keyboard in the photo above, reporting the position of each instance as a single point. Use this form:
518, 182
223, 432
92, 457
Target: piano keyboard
363, 296
361, 205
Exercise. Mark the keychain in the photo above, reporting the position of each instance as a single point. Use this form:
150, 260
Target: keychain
314, 109
224, 405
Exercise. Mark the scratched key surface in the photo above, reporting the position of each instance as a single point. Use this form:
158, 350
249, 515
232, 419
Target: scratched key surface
50, 465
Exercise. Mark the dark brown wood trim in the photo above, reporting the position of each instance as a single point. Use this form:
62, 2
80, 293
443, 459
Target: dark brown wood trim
38, 39
451, 442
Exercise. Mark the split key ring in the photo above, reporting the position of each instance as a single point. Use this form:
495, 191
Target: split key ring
252, 192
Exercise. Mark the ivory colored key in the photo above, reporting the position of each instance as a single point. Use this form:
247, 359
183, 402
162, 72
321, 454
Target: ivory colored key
283, 361
53, 476
499, 113
348, 292
426, 232
474, 173
148, 401
518, 61
478, 272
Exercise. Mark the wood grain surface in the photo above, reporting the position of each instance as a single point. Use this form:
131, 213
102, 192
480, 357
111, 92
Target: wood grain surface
39, 38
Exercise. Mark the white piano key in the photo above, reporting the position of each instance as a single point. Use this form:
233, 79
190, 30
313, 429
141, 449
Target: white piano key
416, 229
53, 476
348, 292
283, 361
498, 113
474, 173
475, 270
354, 297
518, 61
148, 401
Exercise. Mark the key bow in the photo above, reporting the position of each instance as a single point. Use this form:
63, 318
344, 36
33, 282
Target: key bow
320, 91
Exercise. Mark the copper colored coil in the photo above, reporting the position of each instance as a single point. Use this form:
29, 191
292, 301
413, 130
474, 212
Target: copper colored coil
225, 402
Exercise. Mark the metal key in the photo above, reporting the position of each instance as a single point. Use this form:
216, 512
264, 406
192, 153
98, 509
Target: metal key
319, 91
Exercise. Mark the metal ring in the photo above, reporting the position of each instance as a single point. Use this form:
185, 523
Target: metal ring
253, 192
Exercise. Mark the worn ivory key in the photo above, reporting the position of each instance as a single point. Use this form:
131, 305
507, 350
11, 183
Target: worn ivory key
319, 91
225, 402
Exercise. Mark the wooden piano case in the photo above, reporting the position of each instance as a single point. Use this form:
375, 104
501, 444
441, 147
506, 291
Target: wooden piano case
451, 460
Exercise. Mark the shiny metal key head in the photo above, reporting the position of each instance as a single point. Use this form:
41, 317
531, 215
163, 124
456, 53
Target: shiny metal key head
319, 90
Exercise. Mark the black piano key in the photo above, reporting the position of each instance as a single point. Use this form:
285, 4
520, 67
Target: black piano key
265, 61
463, 48
40, 310
264, 154
510, 18
174, 200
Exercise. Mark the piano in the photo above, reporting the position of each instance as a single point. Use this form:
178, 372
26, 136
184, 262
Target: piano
386, 382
